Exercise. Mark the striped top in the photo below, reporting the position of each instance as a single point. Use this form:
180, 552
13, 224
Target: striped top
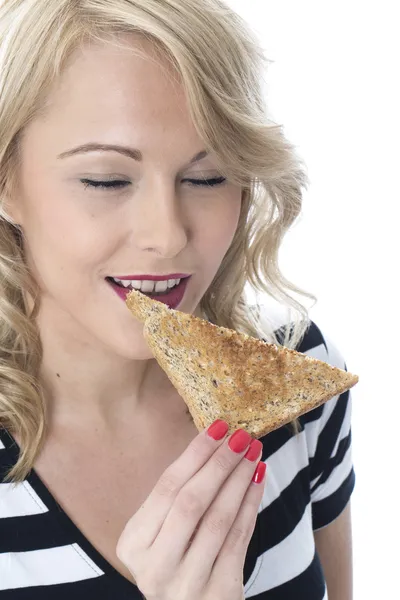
310, 479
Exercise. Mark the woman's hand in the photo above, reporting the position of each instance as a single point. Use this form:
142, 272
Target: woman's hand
189, 539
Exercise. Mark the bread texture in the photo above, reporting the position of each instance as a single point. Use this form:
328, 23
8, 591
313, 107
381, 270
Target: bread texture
223, 374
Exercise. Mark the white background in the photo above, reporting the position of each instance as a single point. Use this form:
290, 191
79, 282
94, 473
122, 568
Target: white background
334, 85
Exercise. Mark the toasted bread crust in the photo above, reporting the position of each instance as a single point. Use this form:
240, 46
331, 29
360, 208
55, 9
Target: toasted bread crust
221, 373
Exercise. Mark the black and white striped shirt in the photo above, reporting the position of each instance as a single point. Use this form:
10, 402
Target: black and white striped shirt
309, 482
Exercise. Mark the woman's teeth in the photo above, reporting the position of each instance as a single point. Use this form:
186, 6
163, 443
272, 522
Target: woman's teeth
147, 286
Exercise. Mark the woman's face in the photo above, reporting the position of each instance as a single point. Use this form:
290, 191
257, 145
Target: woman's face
155, 222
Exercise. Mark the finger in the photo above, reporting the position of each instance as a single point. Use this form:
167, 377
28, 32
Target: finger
194, 499
219, 519
232, 555
144, 526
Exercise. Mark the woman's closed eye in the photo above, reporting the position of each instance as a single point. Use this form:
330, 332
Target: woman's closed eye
115, 184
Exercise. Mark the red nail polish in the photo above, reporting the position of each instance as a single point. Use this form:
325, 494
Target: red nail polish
254, 450
239, 441
218, 429
259, 473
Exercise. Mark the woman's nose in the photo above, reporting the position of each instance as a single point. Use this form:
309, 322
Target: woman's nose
161, 227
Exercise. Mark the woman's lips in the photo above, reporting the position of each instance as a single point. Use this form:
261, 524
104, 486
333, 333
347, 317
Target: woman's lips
172, 298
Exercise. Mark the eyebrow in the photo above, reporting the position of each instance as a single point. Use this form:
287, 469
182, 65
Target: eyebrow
125, 150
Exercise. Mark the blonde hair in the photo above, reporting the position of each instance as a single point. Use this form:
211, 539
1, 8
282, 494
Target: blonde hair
221, 66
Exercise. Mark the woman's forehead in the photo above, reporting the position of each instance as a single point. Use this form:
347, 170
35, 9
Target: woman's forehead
100, 98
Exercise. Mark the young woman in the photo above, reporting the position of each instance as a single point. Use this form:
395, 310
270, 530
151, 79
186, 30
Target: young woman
136, 150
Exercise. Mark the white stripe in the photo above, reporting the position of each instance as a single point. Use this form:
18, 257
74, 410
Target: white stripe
335, 480
63, 564
330, 354
345, 428
19, 500
318, 352
314, 428
284, 561
335, 357
283, 466
1, 445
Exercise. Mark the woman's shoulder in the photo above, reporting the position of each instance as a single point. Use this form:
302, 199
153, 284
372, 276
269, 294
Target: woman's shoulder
316, 342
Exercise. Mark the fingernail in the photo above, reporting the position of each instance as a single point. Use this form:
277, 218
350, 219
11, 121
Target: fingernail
218, 429
259, 473
254, 450
239, 441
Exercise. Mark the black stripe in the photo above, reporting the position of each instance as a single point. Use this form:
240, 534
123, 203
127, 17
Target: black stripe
273, 441
252, 553
99, 588
312, 415
32, 532
311, 339
8, 454
5, 460
309, 585
333, 462
280, 518
328, 436
327, 510
5, 437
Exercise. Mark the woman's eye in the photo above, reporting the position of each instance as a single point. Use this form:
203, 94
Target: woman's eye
207, 182
120, 183
109, 184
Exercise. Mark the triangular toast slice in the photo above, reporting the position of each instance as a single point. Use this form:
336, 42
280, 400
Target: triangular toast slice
223, 374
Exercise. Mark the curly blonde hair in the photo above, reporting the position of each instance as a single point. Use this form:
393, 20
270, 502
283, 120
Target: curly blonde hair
221, 67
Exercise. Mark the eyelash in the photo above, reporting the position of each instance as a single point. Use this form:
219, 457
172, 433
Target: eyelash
119, 184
